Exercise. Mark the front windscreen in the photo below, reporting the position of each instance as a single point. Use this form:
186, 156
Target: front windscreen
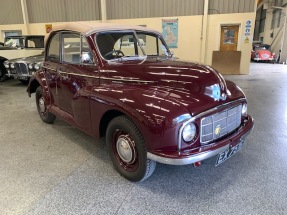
119, 44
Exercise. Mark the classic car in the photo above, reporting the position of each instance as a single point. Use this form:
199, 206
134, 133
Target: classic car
18, 47
150, 106
23, 68
262, 52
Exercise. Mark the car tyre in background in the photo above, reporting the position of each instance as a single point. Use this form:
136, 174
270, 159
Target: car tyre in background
3, 73
25, 82
127, 150
42, 107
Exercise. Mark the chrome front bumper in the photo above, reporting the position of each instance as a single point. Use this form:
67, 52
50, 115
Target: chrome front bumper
201, 155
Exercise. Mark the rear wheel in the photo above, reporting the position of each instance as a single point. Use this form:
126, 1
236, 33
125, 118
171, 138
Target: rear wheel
127, 150
42, 107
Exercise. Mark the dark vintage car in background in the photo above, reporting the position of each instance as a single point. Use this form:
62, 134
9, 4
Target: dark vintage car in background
150, 106
19, 47
23, 68
262, 52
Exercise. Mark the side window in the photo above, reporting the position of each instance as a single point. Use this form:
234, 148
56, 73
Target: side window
54, 48
31, 44
126, 45
152, 45
71, 47
35, 42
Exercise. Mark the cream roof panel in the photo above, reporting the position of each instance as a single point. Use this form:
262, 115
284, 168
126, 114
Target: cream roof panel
87, 28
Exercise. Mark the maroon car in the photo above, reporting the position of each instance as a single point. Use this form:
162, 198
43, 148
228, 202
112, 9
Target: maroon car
122, 82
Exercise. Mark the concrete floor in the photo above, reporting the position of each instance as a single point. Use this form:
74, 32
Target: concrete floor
56, 169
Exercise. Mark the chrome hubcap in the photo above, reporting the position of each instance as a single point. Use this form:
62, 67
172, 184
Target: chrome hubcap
42, 105
125, 149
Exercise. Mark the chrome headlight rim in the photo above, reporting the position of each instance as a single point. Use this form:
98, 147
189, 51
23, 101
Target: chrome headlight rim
6, 65
36, 66
30, 66
12, 66
189, 132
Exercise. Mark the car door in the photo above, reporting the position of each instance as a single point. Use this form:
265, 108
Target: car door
77, 73
50, 67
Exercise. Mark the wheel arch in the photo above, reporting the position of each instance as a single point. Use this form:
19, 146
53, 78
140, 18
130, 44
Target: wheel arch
33, 85
2, 59
107, 118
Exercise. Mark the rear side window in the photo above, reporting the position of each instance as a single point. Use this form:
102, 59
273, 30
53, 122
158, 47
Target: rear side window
54, 48
71, 47
76, 49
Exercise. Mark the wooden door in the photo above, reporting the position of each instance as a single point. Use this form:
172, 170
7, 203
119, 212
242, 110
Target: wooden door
229, 38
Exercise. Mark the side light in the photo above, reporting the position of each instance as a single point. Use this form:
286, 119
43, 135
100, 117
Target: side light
244, 110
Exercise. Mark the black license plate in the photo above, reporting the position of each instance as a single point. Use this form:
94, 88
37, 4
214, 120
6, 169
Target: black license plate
223, 156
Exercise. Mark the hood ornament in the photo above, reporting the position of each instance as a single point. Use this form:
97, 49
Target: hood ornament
214, 91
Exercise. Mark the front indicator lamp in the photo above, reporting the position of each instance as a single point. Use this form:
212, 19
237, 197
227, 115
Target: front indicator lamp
244, 110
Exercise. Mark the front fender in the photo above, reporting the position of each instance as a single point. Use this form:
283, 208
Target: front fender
39, 79
156, 115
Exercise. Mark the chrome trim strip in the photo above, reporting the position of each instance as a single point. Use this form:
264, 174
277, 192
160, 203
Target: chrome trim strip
103, 78
49, 68
202, 114
68, 73
129, 80
188, 160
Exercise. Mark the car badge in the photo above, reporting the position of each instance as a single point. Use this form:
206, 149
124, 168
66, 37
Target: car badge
217, 130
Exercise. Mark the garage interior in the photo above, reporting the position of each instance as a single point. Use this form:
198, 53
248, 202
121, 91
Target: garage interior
57, 169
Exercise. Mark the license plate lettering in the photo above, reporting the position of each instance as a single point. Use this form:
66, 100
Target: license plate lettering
227, 154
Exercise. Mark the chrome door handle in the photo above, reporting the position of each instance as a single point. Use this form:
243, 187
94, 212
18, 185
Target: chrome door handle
63, 74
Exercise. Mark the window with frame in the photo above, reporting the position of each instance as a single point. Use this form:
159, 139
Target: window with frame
54, 48
76, 49
129, 44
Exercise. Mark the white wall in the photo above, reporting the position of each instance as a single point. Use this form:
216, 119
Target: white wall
189, 41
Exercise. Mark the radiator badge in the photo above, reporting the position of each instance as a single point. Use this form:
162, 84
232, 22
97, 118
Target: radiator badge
217, 130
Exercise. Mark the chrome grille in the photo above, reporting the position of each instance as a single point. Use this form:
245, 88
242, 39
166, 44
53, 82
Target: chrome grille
21, 68
225, 122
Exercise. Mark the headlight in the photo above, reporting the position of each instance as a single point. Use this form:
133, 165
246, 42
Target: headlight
37, 66
6, 65
189, 132
244, 110
30, 66
12, 65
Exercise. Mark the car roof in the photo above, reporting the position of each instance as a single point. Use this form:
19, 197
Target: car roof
24, 36
259, 45
88, 28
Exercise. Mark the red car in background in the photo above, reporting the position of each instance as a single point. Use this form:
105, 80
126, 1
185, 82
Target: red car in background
262, 52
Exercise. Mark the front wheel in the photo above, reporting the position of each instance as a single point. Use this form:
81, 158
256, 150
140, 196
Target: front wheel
42, 107
127, 150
